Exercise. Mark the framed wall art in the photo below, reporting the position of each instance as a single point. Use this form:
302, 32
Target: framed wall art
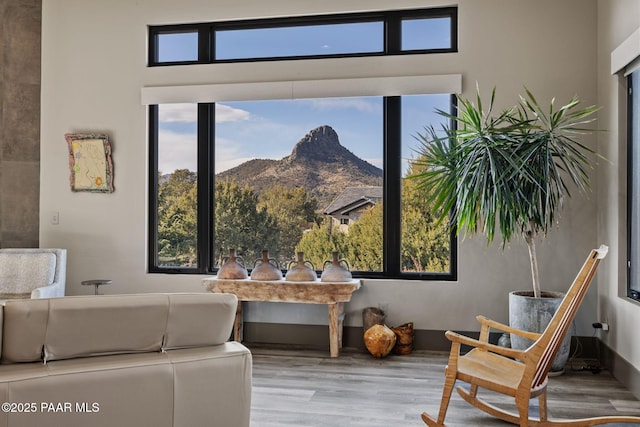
90, 164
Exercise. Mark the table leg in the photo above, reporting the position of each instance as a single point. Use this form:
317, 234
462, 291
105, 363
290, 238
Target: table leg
336, 321
237, 324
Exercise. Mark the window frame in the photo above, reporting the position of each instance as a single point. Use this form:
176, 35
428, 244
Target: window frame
391, 45
632, 187
392, 185
392, 164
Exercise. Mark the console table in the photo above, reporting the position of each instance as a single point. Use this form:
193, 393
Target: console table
333, 294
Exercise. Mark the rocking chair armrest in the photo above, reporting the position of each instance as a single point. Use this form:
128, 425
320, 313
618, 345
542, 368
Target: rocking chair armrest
454, 337
504, 328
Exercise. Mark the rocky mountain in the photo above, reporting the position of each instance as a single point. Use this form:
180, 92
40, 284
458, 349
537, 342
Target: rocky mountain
318, 162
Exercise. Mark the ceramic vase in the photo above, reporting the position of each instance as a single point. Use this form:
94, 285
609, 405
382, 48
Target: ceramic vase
335, 270
302, 271
266, 268
232, 267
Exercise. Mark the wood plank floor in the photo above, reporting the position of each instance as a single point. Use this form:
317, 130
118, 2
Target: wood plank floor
306, 388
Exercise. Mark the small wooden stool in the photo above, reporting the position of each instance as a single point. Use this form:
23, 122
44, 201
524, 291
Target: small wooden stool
96, 283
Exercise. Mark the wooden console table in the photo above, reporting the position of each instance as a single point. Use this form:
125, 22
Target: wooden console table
334, 294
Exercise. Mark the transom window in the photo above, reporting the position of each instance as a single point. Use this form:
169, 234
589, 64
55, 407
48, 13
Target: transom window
381, 33
289, 175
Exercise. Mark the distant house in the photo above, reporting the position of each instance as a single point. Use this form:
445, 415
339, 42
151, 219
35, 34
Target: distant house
347, 207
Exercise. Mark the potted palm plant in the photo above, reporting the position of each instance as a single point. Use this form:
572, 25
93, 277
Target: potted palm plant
507, 172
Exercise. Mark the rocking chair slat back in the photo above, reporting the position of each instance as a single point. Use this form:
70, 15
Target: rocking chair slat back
552, 337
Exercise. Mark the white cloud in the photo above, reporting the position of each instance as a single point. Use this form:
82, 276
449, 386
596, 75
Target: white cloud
224, 113
228, 154
177, 151
178, 113
188, 113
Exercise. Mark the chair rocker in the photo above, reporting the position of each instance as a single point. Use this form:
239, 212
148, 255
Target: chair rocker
518, 373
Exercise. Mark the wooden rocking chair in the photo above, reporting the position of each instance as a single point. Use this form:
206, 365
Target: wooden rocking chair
518, 373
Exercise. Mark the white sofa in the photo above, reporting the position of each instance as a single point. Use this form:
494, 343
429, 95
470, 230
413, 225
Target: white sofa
32, 273
156, 360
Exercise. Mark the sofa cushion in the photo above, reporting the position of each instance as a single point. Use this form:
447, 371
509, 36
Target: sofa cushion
89, 326
21, 273
24, 330
199, 320
80, 326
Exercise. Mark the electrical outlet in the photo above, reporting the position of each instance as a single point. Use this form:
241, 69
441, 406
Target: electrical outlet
55, 218
601, 325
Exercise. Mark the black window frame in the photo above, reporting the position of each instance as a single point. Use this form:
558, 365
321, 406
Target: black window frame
632, 187
391, 45
392, 166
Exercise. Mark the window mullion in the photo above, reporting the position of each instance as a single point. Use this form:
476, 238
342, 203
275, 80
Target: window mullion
205, 185
153, 189
392, 34
392, 185
205, 43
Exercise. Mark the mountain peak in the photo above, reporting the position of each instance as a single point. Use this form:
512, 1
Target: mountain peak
321, 143
318, 163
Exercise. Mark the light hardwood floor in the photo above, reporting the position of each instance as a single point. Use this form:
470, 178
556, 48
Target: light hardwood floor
307, 388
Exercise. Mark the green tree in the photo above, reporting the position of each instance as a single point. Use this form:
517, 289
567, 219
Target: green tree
294, 211
364, 248
318, 243
177, 219
241, 224
425, 243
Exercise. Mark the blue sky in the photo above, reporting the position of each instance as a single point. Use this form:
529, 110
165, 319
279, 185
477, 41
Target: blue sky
320, 39
270, 129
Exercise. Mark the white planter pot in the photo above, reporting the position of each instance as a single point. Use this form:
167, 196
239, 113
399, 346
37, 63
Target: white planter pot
534, 314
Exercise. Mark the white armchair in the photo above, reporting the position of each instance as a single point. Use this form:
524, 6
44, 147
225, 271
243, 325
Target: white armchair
32, 272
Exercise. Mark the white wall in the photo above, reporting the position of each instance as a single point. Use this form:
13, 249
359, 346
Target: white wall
93, 68
617, 20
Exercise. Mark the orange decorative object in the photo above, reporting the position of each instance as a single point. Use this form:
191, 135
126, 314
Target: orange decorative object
404, 338
379, 340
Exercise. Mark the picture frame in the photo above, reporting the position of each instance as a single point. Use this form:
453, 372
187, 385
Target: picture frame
90, 163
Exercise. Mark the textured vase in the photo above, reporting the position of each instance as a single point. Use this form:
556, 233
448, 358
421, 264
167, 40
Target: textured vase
534, 314
232, 267
335, 270
302, 271
404, 338
379, 340
266, 268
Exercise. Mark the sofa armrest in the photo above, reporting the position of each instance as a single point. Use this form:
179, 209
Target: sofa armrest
54, 290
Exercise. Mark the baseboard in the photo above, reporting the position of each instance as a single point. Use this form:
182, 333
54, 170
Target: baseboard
622, 370
317, 336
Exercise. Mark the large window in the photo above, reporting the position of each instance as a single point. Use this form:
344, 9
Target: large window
311, 175
633, 190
